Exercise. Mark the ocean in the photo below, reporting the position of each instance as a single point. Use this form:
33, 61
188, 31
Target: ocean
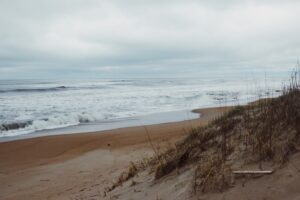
34, 106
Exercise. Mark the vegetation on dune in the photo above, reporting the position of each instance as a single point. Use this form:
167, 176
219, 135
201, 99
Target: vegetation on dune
263, 132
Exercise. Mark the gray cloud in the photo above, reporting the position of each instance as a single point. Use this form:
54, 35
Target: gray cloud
148, 37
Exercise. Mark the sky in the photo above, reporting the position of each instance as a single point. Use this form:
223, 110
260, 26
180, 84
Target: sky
155, 38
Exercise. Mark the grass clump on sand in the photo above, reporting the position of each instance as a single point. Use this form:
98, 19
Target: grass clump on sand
125, 176
212, 174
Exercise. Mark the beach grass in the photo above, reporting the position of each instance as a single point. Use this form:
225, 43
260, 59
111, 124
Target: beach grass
265, 131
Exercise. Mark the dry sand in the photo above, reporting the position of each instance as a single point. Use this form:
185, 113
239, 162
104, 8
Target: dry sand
80, 166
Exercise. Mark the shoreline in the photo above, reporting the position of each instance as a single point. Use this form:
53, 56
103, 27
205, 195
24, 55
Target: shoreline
61, 166
144, 120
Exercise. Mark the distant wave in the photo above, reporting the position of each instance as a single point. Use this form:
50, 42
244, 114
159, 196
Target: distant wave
51, 89
35, 89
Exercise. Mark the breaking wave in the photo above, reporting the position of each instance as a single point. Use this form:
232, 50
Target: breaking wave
59, 121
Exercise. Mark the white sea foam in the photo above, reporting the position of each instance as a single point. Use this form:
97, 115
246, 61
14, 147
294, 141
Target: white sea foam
50, 105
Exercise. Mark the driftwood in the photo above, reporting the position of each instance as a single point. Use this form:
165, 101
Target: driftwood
253, 172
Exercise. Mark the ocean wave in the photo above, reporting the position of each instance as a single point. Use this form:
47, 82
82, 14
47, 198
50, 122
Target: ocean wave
59, 121
53, 89
14, 125
71, 103
35, 89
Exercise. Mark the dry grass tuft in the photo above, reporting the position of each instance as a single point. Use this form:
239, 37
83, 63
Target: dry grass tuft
212, 175
169, 165
125, 176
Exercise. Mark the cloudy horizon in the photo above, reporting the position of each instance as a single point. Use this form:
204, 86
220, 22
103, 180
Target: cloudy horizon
116, 38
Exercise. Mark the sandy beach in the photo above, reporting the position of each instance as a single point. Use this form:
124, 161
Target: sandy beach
149, 100
74, 165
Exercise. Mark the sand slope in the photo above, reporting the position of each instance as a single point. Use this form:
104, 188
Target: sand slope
283, 184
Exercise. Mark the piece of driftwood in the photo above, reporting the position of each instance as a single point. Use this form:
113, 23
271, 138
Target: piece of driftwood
253, 172
248, 172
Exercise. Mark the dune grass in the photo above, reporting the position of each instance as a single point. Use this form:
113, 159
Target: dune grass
265, 131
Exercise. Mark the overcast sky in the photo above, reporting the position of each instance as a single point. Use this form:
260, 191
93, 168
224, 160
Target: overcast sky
98, 38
